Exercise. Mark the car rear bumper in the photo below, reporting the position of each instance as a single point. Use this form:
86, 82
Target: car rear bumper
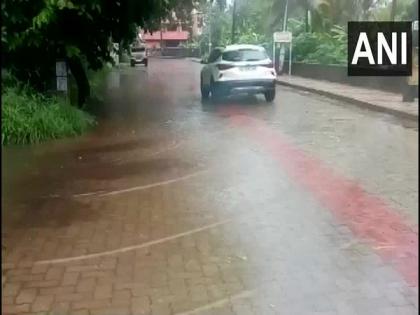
139, 60
245, 86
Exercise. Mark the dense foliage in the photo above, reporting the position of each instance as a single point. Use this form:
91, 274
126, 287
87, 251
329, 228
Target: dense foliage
318, 26
35, 33
319, 47
217, 20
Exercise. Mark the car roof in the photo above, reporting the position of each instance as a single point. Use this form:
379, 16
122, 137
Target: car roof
243, 46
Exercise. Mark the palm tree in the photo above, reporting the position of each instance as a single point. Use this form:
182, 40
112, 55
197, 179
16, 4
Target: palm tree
313, 8
324, 13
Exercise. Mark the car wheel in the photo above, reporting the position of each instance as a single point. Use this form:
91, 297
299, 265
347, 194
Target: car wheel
204, 90
132, 63
216, 94
270, 95
145, 63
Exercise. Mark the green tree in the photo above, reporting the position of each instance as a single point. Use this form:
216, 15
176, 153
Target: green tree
404, 10
252, 20
217, 22
339, 12
298, 8
324, 13
38, 32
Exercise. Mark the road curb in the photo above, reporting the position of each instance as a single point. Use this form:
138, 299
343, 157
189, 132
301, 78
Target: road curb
359, 103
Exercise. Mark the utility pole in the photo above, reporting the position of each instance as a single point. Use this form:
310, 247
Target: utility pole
161, 38
393, 9
210, 38
282, 47
233, 22
285, 16
210, 16
210, 22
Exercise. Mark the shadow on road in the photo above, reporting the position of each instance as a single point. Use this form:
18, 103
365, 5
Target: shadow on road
240, 101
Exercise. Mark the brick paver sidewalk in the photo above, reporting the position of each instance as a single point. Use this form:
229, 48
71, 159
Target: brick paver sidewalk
369, 98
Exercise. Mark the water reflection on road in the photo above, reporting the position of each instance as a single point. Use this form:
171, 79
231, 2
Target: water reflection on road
174, 206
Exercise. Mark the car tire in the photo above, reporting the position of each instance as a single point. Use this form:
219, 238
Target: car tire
216, 94
132, 63
145, 62
270, 95
205, 92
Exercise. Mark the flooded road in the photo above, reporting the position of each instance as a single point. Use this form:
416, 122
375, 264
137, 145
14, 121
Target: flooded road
172, 206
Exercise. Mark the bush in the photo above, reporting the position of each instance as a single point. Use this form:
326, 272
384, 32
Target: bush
250, 38
324, 48
30, 117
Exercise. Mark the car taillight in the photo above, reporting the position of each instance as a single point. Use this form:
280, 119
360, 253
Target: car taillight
268, 65
222, 66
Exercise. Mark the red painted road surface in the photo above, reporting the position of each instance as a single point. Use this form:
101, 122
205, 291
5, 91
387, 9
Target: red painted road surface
368, 216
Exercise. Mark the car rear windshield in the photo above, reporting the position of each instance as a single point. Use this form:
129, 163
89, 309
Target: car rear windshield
244, 55
138, 49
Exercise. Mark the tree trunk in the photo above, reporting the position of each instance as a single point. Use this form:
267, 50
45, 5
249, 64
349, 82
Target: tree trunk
120, 50
233, 23
83, 86
306, 20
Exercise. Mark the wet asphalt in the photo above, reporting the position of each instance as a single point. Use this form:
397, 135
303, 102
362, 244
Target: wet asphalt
177, 206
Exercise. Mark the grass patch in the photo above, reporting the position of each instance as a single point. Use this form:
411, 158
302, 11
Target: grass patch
30, 117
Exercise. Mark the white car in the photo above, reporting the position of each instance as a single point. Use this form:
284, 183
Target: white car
238, 69
138, 55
